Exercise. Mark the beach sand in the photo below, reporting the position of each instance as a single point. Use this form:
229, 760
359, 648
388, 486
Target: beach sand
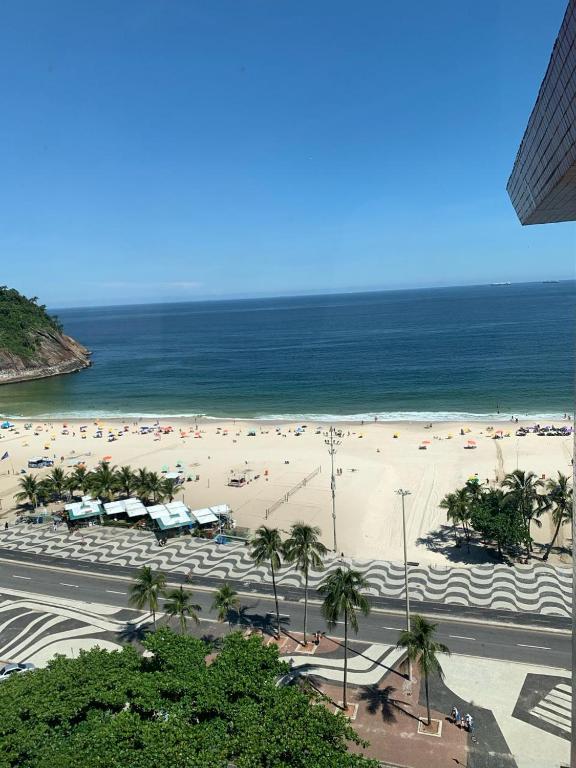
372, 464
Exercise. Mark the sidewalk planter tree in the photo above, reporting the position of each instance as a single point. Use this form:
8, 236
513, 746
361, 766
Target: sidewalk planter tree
342, 599
179, 603
423, 649
267, 548
305, 550
226, 600
147, 589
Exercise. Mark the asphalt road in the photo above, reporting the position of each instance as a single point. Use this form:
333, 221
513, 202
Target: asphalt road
481, 634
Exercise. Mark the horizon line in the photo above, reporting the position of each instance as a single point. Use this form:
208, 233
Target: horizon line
312, 293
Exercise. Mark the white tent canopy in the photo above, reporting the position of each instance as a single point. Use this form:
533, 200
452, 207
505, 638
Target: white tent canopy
131, 507
204, 516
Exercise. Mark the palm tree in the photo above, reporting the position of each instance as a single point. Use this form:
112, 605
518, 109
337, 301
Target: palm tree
523, 488
141, 482
305, 550
155, 486
169, 488
125, 481
82, 479
559, 501
342, 598
70, 485
103, 480
267, 547
179, 603
31, 490
423, 649
55, 482
226, 600
452, 507
146, 590
457, 506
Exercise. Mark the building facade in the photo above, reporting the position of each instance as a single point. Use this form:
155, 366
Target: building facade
542, 185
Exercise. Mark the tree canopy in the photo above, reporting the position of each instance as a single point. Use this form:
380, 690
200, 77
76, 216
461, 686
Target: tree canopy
503, 516
115, 709
20, 320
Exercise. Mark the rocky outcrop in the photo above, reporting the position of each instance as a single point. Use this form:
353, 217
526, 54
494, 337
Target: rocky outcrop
55, 354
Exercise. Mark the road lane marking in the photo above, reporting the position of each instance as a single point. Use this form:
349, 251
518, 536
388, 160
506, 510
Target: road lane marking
539, 647
462, 637
69, 585
115, 592
396, 629
21, 577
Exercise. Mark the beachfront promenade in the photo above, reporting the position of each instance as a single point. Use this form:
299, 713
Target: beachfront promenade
532, 589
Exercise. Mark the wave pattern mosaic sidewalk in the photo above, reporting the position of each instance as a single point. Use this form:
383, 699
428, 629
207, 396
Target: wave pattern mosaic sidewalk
535, 588
34, 628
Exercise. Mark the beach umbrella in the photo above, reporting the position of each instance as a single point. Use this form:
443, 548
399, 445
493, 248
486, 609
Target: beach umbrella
471, 442
164, 468
425, 442
107, 459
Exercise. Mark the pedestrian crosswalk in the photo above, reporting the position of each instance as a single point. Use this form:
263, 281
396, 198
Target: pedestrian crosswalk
556, 707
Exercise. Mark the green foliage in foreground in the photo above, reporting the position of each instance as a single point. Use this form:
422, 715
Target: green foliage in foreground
118, 710
20, 319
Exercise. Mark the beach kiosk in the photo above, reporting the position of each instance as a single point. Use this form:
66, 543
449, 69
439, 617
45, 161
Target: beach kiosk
171, 517
82, 512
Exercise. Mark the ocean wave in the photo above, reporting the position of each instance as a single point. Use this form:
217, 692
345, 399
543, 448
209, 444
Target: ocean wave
371, 416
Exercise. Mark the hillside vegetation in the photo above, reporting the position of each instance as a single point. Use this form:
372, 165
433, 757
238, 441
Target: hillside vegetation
20, 321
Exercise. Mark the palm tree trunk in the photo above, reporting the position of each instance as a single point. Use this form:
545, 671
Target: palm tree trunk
153, 616
344, 696
305, 603
547, 553
427, 695
276, 601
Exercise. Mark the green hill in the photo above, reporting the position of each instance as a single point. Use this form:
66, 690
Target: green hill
20, 321
32, 342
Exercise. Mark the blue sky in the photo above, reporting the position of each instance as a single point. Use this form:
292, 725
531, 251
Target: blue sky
173, 150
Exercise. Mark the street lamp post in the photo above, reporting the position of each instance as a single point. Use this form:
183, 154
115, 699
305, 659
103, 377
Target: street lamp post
333, 444
402, 493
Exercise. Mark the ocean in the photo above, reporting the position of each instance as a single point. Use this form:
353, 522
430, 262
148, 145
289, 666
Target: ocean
434, 354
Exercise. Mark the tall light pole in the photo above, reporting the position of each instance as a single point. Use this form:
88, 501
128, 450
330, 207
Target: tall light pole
402, 493
333, 444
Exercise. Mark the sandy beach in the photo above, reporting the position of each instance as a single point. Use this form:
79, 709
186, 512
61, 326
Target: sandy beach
371, 465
